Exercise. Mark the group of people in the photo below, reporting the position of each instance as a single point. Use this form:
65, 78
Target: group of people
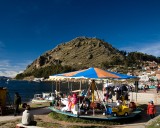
151, 110
27, 116
121, 93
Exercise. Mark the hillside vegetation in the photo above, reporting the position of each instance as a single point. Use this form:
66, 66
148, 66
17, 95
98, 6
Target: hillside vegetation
83, 52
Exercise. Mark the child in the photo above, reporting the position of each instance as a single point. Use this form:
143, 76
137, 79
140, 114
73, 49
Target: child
151, 109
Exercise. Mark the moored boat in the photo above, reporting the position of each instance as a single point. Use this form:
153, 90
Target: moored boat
44, 97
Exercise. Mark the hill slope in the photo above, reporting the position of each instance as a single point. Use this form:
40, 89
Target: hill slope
78, 53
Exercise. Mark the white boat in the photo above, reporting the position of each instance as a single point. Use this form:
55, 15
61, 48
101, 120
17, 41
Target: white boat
38, 79
44, 97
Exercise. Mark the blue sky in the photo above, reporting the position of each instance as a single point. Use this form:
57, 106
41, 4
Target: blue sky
28, 28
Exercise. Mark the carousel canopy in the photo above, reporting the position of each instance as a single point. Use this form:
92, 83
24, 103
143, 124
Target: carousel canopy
94, 73
124, 76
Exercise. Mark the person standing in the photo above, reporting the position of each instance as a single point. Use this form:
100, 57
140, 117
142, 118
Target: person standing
110, 96
17, 102
27, 117
151, 110
158, 86
145, 88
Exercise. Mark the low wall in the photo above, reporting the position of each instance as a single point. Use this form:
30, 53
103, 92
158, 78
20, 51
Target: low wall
141, 98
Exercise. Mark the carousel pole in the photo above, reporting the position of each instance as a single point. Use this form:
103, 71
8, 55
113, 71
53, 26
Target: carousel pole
68, 82
71, 87
56, 88
136, 89
92, 89
52, 86
132, 91
80, 84
59, 86
107, 90
79, 110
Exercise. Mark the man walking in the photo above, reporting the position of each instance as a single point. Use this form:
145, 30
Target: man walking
17, 102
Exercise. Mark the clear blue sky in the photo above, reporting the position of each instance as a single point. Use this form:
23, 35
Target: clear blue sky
28, 28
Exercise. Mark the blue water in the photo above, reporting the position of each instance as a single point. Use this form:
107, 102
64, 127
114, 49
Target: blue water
27, 89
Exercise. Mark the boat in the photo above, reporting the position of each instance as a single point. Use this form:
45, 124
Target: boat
38, 80
44, 97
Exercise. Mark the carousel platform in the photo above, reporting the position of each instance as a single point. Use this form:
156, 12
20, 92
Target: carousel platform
96, 115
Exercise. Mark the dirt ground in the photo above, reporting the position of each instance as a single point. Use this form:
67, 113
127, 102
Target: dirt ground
44, 120
64, 124
137, 123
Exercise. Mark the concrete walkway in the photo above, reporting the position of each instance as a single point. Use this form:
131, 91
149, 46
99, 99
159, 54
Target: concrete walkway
40, 111
45, 110
138, 125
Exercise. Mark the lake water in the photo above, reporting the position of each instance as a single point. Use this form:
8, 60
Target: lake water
27, 89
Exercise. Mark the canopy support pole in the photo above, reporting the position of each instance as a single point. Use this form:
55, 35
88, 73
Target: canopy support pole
80, 85
92, 89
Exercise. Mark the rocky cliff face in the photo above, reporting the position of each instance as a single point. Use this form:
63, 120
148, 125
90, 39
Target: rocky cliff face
79, 53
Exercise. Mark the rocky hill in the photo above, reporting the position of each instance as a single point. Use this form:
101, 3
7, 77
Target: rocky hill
78, 53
